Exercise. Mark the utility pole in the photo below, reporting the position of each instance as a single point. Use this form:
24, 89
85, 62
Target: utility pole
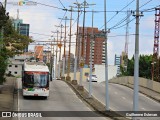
136, 62
59, 45
106, 57
64, 52
68, 78
84, 5
76, 51
52, 60
91, 43
126, 41
56, 55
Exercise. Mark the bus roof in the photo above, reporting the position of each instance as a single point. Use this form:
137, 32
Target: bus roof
35, 66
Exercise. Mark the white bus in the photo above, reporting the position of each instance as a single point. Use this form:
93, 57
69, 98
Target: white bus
35, 79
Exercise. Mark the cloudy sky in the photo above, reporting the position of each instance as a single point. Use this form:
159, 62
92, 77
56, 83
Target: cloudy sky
45, 15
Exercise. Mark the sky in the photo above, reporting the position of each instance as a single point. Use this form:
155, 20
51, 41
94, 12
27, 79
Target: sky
45, 15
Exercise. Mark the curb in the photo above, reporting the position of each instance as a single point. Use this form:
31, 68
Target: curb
95, 104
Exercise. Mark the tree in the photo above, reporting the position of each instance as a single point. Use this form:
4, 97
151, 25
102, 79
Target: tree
3, 16
13, 42
144, 67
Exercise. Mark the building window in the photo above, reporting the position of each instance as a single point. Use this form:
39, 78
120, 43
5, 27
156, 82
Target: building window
16, 66
15, 72
10, 65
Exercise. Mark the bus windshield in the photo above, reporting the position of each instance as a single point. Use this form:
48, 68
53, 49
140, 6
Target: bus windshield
36, 79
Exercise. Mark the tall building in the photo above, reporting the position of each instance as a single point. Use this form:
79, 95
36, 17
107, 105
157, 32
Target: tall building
71, 61
22, 28
117, 62
46, 56
98, 48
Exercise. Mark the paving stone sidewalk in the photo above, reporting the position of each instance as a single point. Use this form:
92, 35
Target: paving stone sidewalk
7, 95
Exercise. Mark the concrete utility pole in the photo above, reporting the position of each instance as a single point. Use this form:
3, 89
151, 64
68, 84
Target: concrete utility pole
59, 45
56, 55
68, 78
106, 57
136, 62
91, 43
52, 60
64, 54
76, 51
84, 5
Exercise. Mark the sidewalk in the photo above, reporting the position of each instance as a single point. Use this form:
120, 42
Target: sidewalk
7, 94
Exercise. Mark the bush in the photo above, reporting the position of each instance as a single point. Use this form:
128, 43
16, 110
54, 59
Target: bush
3, 65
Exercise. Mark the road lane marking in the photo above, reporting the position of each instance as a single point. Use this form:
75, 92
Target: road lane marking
124, 98
143, 108
18, 96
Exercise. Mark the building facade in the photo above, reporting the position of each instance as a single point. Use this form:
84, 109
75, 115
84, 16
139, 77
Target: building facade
98, 46
22, 28
66, 62
38, 53
117, 62
16, 63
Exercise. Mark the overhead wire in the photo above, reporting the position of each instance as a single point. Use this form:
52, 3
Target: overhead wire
39, 34
118, 12
61, 21
124, 19
75, 21
46, 5
62, 4
145, 3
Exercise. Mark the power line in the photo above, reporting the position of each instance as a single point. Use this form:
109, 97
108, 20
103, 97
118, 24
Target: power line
61, 20
122, 25
150, 9
120, 22
75, 21
118, 12
124, 19
145, 3
39, 34
62, 4
47, 5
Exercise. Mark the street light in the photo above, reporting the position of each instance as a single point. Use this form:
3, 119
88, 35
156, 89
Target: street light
153, 70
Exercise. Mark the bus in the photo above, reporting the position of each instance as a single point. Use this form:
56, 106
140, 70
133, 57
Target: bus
35, 79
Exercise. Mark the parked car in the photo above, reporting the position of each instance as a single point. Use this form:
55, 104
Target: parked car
94, 78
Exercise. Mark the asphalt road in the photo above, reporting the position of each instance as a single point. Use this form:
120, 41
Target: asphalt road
61, 98
121, 98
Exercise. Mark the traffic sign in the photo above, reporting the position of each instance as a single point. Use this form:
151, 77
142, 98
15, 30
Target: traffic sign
81, 64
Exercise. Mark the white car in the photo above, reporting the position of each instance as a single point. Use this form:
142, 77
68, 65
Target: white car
94, 78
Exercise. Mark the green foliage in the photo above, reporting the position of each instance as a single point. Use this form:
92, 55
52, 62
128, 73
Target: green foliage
144, 67
3, 16
3, 63
13, 42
